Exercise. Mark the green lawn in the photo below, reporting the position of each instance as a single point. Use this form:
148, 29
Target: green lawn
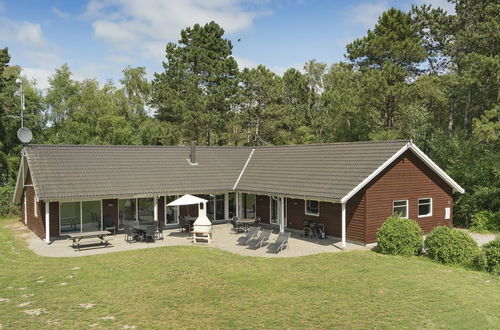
199, 287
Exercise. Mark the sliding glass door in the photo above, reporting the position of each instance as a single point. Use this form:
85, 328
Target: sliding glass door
171, 212
146, 209
126, 211
77, 217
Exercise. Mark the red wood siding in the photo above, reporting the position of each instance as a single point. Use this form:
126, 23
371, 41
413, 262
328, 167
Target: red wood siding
161, 209
329, 215
34, 223
262, 207
355, 217
408, 178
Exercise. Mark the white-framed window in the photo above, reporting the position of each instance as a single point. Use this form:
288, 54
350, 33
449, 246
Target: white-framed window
35, 207
312, 207
400, 207
424, 207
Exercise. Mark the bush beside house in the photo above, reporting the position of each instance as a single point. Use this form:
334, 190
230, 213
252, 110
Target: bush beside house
491, 256
451, 246
400, 236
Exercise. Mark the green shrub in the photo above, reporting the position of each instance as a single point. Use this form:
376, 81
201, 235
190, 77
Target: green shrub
491, 252
485, 221
6, 206
400, 236
451, 246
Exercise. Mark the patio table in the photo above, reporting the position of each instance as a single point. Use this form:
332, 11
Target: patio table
141, 229
245, 222
100, 234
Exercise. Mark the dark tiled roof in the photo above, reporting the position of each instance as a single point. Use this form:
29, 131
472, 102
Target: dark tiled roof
328, 171
77, 171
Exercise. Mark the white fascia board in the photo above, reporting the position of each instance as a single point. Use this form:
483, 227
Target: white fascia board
456, 187
375, 173
420, 154
243, 169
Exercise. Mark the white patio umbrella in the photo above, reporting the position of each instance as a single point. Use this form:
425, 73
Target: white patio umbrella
187, 200
202, 223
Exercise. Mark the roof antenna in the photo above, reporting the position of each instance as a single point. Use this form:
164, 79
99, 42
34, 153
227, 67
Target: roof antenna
24, 133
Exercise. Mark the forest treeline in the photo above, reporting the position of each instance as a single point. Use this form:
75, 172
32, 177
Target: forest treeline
424, 75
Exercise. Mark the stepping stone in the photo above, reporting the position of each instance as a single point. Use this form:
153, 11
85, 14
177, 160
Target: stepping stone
24, 304
23, 288
40, 281
87, 306
108, 317
35, 312
4, 300
69, 276
129, 326
63, 283
27, 295
75, 268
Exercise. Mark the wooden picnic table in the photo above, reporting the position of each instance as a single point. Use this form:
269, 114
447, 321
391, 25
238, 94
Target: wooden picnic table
100, 234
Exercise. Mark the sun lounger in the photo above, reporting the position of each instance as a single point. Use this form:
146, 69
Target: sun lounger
252, 233
280, 243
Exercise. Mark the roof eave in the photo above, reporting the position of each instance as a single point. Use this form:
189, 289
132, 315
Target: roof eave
420, 154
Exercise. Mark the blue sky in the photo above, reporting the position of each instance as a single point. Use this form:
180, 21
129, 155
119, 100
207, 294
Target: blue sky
98, 38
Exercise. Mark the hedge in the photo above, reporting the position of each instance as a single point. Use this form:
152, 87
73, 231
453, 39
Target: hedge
399, 236
451, 246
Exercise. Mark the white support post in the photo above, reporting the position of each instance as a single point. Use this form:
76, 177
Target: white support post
226, 206
282, 215
343, 225
237, 202
25, 210
155, 212
47, 223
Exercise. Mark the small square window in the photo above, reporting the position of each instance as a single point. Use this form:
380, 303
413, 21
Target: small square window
424, 207
400, 208
312, 207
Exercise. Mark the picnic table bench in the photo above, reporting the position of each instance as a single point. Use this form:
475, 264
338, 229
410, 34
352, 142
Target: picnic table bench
100, 235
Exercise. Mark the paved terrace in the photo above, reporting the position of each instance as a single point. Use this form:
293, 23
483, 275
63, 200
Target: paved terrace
223, 239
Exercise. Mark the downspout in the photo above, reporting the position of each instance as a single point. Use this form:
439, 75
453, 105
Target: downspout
343, 225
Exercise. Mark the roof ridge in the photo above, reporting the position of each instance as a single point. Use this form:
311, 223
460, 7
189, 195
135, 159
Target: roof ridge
335, 143
127, 146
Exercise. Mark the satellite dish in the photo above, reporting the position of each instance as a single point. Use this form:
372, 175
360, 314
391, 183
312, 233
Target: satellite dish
24, 135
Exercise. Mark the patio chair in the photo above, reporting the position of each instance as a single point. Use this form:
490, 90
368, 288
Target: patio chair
280, 243
108, 224
262, 239
159, 231
150, 232
130, 233
182, 222
236, 226
257, 222
252, 233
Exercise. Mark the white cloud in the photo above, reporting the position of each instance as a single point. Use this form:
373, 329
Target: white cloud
146, 27
279, 70
41, 76
59, 13
245, 63
367, 14
30, 34
447, 6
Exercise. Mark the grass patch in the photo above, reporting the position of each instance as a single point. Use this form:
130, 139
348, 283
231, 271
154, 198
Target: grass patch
194, 287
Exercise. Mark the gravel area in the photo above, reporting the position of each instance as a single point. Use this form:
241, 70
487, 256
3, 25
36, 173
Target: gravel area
481, 239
